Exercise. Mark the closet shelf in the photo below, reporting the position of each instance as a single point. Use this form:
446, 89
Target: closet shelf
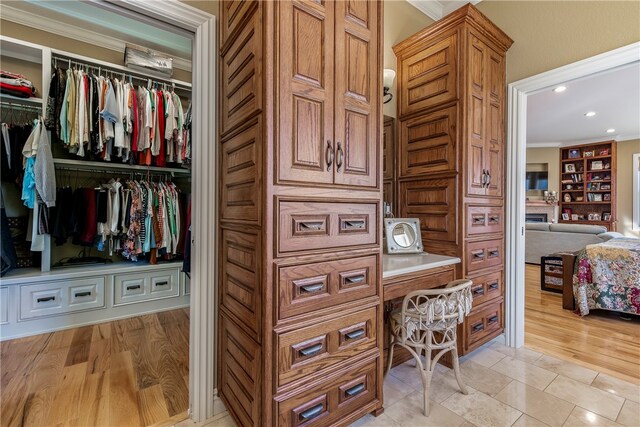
17, 100
88, 165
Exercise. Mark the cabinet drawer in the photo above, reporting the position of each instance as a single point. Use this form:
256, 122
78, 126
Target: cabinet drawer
484, 219
305, 226
484, 323
487, 287
61, 297
136, 287
483, 254
309, 287
4, 305
306, 351
341, 395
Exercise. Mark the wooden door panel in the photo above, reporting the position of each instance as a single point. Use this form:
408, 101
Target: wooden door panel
477, 112
306, 81
428, 143
428, 78
388, 148
357, 90
495, 161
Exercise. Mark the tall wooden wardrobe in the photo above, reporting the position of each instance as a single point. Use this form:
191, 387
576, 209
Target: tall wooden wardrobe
451, 154
300, 246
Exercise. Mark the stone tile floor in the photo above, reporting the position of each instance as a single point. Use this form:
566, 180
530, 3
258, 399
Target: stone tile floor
507, 387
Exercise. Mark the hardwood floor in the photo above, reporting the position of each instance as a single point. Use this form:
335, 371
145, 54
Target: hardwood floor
130, 372
600, 341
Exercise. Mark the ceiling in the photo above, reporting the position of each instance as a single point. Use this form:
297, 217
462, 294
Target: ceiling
93, 24
436, 9
555, 119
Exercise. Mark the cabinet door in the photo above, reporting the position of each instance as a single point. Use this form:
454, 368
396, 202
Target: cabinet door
495, 161
357, 89
476, 125
306, 52
388, 148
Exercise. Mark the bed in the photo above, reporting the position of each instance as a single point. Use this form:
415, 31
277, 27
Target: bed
607, 277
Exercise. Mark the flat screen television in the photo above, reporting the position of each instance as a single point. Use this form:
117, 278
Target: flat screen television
537, 180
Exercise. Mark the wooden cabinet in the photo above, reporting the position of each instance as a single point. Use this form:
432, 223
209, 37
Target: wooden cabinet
451, 103
301, 178
588, 184
327, 75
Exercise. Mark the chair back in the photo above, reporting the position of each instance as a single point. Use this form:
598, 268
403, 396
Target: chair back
449, 305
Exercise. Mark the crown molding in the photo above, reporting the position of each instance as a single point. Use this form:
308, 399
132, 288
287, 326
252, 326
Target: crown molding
558, 144
49, 25
437, 9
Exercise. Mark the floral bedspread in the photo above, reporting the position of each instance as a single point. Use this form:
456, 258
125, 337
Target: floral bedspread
607, 276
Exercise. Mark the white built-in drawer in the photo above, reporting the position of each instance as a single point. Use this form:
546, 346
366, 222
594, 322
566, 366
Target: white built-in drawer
4, 305
67, 296
136, 287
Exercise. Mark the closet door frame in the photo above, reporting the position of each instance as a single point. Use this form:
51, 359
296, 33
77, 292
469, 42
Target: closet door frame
205, 193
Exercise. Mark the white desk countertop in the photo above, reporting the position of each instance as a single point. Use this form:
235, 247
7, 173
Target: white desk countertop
395, 265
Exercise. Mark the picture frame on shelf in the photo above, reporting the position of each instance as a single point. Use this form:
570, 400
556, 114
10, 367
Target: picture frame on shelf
606, 216
579, 199
607, 165
574, 154
567, 198
590, 217
597, 197
603, 152
574, 217
596, 216
565, 217
568, 211
606, 197
597, 165
589, 153
569, 167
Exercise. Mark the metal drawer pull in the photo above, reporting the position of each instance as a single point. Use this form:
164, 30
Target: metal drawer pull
494, 219
311, 225
329, 155
312, 288
340, 157
46, 299
356, 389
477, 327
82, 294
133, 287
478, 291
494, 286
354, 225
165, 283
484, 178
478, 220
478, 254
312, 412
355, 279
494, 253
311, 350
488, 178
493, 319
355, 334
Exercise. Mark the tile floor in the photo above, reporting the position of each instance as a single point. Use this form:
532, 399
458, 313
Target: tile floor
507, 387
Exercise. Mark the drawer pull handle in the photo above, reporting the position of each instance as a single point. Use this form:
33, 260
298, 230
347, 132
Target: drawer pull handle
311, 350
133, 287
82, 294
478, 291
478, 220
477, 327
494, 253
493, 286
355, 334
312, 288
158, 284
494, 219
312, 412
356, 389
354, 225
355, 279
479, 254
46, 299
308, 225
493, 319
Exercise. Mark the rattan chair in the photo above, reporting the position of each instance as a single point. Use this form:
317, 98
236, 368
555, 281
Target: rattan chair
428, 322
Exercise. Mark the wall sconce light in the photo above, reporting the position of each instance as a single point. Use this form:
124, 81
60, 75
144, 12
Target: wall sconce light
388, 76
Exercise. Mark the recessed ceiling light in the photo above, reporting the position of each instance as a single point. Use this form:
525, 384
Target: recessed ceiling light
590, 113
612, 130
560, 89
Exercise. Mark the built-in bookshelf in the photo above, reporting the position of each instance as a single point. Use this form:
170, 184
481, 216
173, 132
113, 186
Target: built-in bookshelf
588, 184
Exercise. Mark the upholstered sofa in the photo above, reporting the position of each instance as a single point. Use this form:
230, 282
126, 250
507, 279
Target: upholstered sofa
543, 239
